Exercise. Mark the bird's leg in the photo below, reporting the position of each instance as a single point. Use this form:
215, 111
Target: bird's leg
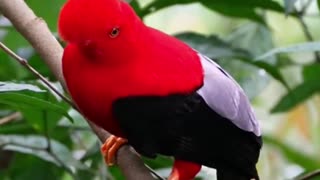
110, 148
184, 170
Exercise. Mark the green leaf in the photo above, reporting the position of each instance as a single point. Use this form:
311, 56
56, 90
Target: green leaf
318, 2
289, 6
212, 46
253, 37
311, 72
302, 92
303, 47
9, 86
270, 69
216, 48
45, 120
135, 5
13, 128
296, 96
256, 39
298, 157
233, 8
37, 169
23, 101
37, 146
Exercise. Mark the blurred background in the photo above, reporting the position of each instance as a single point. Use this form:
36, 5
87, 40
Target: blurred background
270, 47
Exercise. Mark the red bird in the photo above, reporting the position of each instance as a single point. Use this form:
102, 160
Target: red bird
156, 93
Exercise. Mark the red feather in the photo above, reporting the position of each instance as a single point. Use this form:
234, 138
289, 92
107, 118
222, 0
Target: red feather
140, 61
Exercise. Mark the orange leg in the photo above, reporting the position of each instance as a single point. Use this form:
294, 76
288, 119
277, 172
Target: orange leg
110, 148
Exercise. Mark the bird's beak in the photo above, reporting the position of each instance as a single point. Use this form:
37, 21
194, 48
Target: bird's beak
89, 49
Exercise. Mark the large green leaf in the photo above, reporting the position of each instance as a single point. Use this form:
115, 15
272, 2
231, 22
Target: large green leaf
253, 37
303, 91
37, 146
303, 47
270, 69
23, 101
9, 86
312, 73
306, 161
256, 39
217, 48
233, 8
296, 96
212, 46
44, 120
37, 169
13, 128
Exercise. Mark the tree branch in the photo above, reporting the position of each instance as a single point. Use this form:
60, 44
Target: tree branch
10, 118
35, 30
300, 14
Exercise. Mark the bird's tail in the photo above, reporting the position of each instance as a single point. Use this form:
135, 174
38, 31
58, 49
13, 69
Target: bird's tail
233, 175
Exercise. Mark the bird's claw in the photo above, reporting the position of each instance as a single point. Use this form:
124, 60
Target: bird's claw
110, 148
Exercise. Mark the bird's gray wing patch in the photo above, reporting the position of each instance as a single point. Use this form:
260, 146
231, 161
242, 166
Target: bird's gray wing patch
224, 95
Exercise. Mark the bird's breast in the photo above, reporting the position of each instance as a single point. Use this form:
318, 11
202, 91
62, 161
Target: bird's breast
93, 94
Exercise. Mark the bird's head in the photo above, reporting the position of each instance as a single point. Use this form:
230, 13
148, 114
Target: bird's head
99, 28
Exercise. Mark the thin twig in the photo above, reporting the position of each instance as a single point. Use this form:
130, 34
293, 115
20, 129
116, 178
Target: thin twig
309, 175
305, 7
300, 14
24, 63
10, 118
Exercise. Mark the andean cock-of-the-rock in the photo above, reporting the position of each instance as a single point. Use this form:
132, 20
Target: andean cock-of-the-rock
156, 93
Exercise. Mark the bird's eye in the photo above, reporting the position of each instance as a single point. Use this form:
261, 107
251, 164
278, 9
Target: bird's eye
114, 32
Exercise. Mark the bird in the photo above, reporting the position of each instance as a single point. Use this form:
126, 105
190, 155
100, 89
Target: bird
156, 93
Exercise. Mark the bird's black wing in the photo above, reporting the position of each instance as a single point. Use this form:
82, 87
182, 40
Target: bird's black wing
185, 127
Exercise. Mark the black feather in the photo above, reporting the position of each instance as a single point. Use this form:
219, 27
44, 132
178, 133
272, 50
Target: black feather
185, 127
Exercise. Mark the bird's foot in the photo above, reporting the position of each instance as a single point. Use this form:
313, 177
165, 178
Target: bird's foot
110, 148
